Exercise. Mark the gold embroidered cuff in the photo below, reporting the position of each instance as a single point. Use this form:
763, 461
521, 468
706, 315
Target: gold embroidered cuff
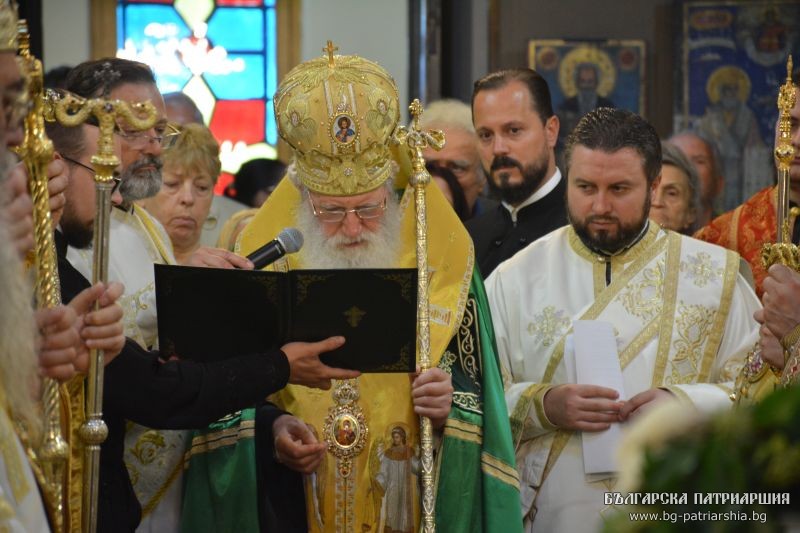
538, 405
791, 370
679, 394
790, 339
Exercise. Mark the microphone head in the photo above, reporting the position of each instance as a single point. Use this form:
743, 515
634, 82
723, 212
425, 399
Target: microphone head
291, 239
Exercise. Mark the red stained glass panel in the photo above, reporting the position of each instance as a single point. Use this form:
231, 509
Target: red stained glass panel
248, 3
239, 120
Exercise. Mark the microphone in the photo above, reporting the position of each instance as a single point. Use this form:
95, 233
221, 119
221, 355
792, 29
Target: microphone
288, 241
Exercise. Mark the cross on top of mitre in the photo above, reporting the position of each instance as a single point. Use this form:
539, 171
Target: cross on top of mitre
330, 49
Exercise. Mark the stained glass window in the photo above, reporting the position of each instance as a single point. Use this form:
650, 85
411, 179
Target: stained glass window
221, 53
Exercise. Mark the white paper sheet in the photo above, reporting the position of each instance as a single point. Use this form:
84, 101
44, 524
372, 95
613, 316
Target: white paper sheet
596, 362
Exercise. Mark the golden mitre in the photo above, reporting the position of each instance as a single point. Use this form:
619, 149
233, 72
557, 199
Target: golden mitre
338, 113
8, 26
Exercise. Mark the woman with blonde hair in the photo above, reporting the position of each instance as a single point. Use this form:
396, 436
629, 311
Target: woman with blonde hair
191, 168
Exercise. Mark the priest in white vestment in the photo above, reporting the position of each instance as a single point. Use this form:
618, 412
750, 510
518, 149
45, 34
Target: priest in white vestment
680, 312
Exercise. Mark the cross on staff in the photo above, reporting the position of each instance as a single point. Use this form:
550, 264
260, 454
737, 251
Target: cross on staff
73, 111
416, 140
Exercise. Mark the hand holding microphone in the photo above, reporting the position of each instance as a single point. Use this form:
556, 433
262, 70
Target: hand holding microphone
288, 241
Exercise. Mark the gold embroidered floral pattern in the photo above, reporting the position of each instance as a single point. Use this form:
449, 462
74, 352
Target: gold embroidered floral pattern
549, 325
148, 446
296, 120
701, 269
446, 361
642, 297
692, 325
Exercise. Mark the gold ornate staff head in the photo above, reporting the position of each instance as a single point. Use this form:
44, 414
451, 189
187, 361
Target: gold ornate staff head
415, 139
8, 26
338, 114
783, 251
787, 97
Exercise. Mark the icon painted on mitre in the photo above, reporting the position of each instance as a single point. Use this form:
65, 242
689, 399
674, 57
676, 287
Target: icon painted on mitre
343, 129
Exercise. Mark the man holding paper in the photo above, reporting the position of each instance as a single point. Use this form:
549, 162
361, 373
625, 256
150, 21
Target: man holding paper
672, 319
358, 443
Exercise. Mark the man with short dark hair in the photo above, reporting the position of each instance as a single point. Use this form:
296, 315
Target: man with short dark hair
517, 133
677, 309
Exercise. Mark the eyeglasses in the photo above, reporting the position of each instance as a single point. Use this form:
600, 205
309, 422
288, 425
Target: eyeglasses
139, 139
117, 180
338, 214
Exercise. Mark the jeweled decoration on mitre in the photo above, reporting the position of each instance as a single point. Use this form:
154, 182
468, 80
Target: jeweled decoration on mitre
8, 26
338, 113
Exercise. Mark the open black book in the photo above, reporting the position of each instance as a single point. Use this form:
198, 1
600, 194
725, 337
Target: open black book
206, 314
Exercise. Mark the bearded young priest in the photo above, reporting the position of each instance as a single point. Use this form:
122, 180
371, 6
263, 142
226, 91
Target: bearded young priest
680, 311
340, 194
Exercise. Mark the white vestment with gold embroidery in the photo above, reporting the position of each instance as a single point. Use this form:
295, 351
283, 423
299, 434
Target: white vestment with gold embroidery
21, 508
682, 316
153, 457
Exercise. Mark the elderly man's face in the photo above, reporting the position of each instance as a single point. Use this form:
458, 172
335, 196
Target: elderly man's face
350, 241
351, 229
460, 155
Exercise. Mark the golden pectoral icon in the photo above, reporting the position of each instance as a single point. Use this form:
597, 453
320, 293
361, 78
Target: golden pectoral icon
354, 316
345, 427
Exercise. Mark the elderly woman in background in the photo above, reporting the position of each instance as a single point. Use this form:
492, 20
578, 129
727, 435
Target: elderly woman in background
191, 168
676, 198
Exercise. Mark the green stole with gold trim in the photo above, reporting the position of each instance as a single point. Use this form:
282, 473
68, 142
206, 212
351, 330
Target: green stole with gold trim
220, 487
477, 485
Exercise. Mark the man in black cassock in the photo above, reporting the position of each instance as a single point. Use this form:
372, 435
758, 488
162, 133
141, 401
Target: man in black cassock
517, 134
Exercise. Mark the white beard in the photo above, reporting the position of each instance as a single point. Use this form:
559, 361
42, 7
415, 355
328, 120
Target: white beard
380, 248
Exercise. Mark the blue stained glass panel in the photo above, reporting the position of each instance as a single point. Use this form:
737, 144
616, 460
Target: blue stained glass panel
120, 27
272, 56
237, 28
242, 27
170, 83
245, 85
272, 130
137, 18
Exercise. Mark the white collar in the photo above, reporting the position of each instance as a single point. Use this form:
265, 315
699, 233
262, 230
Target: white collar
540, 193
